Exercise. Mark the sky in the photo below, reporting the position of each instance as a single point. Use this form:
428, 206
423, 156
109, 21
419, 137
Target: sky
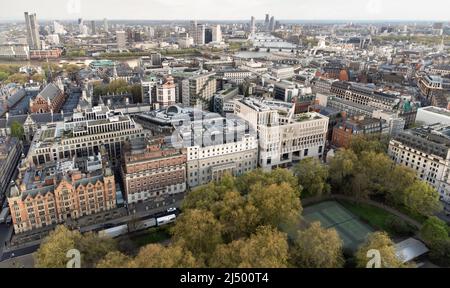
417, 10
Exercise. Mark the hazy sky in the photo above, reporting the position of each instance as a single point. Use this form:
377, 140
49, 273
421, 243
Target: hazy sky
229, 9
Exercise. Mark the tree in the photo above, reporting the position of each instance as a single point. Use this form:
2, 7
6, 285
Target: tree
421, 198
18, 78
136, 92
114, 259
94, 248
239, 218
53, 250
399, 179
17, 130
372, 171
258, 176
203, 197
37, 78
359, 144
312, 176
440, 252
267, 248
433, 230
200, 232
378, 241
3, 76
317, 247
342, 170
278, 204
158, 256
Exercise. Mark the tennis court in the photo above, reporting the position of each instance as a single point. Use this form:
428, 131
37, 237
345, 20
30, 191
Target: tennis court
333, 215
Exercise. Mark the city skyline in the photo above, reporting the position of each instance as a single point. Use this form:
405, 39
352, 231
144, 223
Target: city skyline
352, 10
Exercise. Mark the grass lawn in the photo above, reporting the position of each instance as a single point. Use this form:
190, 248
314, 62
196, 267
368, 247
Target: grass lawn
151, 236
374, 216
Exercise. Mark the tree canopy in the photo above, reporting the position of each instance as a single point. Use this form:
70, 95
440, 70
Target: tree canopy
17, 130
379, 241
312, 176
53, 250
317, 247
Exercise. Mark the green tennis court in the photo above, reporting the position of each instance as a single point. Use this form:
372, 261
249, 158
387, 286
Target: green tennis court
331, 214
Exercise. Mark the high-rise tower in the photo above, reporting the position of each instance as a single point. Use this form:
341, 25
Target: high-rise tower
32, 31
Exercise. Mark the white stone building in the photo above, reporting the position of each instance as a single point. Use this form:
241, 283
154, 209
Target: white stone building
283, 136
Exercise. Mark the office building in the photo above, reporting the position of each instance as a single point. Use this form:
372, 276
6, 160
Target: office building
14, 52
267, 22
84, 134
284, 137
432, 115
197, 32
58, 192
93, 28
208, 35
426, 150
272, 24
33, 39
121, 39
152, 170
199, 90
344, 131
165, 93
364, 95
283, 72
216, 31
253, 26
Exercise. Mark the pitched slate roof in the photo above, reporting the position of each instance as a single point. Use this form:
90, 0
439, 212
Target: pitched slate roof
50, 92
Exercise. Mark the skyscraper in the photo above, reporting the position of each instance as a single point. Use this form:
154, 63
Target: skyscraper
272, 24
121, 38
252, 25
32, 31
80, 25
208, 35
267, 22
93, 30
105, 25
216, 34
197, 32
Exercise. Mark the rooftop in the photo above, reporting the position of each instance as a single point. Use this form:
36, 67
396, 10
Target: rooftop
437, 110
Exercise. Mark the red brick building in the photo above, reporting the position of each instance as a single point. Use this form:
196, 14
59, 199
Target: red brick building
152, 170
48, 100
345, 130
45, 54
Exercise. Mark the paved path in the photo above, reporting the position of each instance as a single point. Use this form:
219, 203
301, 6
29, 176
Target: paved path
391, 210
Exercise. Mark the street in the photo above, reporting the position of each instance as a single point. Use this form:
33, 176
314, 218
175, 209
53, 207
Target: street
4, 233
141, 210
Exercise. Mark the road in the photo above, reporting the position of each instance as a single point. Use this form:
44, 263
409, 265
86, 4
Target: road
140, 210
4, 233
19, 252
